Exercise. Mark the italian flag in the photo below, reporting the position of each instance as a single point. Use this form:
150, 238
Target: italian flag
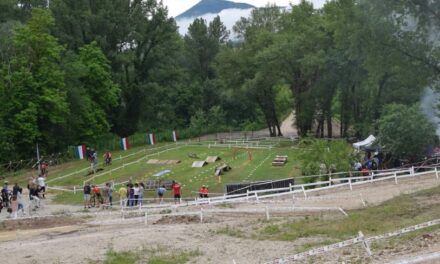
151, 139
174, 136
124, 144
80, 151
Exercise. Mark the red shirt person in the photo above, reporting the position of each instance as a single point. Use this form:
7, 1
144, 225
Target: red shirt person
203, 192
177, 191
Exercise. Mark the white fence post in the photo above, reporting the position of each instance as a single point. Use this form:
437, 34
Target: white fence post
412, 170
247, 195
330, 181
351, 186
395, 177
436, 172
267, 213
290, 185
304, 191
145, 217
74, 189
256, 196
201, 215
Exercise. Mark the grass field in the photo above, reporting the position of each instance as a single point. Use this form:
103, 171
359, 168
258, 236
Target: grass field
247, 165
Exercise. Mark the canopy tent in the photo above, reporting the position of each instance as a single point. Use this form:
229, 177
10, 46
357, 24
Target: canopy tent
365, 143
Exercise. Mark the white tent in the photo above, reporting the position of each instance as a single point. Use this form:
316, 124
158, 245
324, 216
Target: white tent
199, 164
365, 143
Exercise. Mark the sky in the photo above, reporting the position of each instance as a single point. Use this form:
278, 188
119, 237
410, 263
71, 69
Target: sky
229, 17
176, 7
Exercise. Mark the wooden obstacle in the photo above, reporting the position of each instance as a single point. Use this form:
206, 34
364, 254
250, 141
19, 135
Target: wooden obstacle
223, 168
199, 164
162, 162
212, 159
279, 161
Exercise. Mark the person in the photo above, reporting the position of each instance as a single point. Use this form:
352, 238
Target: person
177, 191
43, 168
141, 193
160, 192
110, 194
87, 191
122, 195
130, 190
105, 197
97, 195
15, 189
20, 201
365, 171
203, 192
14, 206
136, 193
5, 194
34, 195
42, 185
108, 158
93, 160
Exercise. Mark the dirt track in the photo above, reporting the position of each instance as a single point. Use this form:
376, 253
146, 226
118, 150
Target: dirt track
81, 242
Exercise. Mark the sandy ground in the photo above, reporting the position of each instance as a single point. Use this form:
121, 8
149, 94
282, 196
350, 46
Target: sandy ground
90, 239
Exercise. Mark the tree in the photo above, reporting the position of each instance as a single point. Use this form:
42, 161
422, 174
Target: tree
406, 132
33, 95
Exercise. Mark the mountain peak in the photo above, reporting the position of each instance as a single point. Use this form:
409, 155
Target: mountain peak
213, 7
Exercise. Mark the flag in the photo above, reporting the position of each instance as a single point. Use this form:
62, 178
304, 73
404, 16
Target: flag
124, 144
174, 136
151, 139
80, 151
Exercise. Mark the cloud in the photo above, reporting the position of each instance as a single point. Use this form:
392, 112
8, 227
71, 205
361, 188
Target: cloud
229, 17
176, 7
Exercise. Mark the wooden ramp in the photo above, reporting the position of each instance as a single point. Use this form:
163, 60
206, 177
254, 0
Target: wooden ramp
279, 161
199, 164
162, 162
212, 159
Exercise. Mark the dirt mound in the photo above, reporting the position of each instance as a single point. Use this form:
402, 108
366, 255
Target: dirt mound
179, 219
38, 223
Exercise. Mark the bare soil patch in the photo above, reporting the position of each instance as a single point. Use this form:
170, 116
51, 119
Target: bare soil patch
180, 219
38, 223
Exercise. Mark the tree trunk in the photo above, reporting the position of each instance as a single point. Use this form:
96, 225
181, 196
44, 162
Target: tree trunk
329, 125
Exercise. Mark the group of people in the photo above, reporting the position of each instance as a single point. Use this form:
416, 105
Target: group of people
94, 196
132, 194
12, 200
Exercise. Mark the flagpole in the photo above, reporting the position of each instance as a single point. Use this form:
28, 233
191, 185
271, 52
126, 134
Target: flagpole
38, 160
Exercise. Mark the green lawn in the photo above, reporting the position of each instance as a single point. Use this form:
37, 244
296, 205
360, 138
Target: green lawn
244, 168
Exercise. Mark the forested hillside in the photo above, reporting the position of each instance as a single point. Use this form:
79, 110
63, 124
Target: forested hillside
75, 71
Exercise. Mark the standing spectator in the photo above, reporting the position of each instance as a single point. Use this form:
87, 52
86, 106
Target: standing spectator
20, 201
177, 191
43, 168
136, 193
87, 192
15, 189
5, 194
14, 206
110, 194
122, 195
42, 185
130, 190
97, 195
105, 197
141, 193
160, 192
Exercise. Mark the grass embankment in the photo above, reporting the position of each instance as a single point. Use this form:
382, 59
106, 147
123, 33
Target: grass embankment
243, 169
397, 213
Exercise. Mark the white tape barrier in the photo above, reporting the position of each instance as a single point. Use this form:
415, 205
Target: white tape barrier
359, 239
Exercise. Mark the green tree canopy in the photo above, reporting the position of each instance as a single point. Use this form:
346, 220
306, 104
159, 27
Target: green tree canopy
406, 132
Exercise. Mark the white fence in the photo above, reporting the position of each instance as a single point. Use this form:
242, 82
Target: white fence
359, 239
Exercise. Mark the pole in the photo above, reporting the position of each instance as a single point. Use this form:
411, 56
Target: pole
38, 160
